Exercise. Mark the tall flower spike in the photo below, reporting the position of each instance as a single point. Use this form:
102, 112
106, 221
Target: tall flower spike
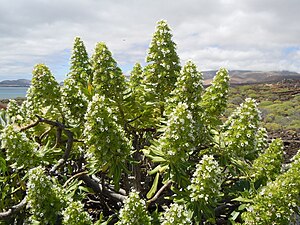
176, 215
278, 201
240, 130
44, 95
205, 189
179, 136
136, 77
105, 139
178, 142
214, 100
189, 86
136, 100
76, 93
271, 160
134, 211
164, 65
261, 139
20, 150
135, 86
45, 198
75, 214
108, 79
182, 135
14, 111
80, 66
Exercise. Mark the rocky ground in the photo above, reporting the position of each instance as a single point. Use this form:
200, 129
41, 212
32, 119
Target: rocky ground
291, 140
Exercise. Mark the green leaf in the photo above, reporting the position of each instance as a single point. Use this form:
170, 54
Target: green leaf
241, 199
86, 189
157, 152
3, 165
157, 158
157, 169
154, 187
234, 215
242, 207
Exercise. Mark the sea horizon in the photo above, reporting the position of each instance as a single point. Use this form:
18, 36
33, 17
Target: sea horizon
10, 92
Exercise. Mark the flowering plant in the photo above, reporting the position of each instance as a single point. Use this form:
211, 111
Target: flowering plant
154, 150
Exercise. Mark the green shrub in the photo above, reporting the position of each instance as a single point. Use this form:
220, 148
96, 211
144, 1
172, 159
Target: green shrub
157, 149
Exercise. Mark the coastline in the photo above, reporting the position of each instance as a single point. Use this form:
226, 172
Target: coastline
15, 86
18, 99
12, 92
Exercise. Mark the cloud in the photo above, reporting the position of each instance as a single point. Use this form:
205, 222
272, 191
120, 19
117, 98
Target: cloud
249, 34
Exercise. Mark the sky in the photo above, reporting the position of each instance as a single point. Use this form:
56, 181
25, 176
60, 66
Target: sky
236, 34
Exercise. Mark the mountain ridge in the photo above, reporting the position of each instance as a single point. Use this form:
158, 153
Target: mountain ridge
15, 83
252, 77
236, 77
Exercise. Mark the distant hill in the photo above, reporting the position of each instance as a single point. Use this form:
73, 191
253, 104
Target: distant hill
236, 77
15, 83
250, 77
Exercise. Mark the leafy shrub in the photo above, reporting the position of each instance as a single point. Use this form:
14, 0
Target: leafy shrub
154, 150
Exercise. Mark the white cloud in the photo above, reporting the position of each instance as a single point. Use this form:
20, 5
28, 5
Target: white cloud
249, 34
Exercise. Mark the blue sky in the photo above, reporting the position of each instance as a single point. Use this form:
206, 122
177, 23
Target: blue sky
248, 34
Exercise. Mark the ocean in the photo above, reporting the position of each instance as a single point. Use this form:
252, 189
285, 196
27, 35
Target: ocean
12, 92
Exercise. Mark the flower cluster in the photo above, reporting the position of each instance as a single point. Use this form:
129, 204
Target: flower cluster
271, 160
20, 150
14, 111
75, 91
278, 200
75, 101
45, 197
189, 86
164, 64
136, 100
43, 96
261, 139
108, 79
189, 90
240, 130
75, 214
176, 215
179, 137
205, 189
134, 211
80, 65
104, 138
136, 77
214, 100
